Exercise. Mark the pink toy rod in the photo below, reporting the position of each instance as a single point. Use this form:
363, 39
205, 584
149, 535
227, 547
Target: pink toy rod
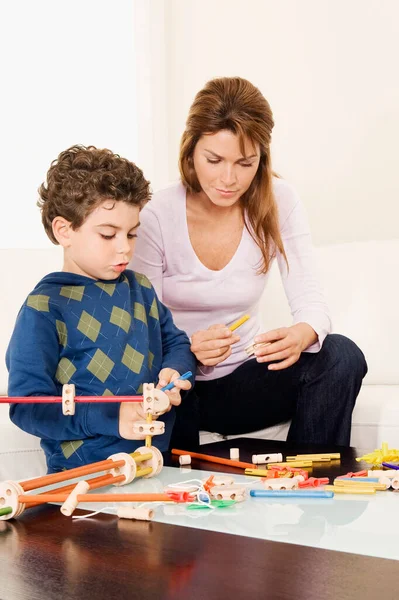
58, 399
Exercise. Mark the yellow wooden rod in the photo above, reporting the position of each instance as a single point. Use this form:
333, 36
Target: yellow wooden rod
321, 456
142, 472
342, 489
148, 438
141, 457
239, 322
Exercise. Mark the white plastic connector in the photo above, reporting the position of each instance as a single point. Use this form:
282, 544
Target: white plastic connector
67, 509
68, 399
143, 428
9, 492
234, 453
262, 459
140, 514
129, 469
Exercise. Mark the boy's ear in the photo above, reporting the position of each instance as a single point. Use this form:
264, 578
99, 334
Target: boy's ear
62, 231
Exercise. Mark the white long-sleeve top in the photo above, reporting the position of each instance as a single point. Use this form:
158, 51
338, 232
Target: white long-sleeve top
199, 297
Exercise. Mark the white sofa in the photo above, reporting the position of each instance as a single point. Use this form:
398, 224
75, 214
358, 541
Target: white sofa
361, 285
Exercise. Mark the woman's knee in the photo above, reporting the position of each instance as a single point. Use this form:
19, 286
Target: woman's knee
345, 354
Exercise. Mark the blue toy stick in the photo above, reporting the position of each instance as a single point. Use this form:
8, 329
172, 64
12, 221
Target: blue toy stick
291, 494
171, 385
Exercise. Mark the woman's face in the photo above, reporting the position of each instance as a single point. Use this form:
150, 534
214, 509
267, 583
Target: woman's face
223, 172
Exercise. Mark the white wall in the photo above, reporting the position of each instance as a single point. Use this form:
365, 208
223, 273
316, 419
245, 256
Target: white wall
68, 76
329, 69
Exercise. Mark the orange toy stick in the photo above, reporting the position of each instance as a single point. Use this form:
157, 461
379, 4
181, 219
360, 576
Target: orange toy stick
95, 483
43, 498
39, 482
215, 459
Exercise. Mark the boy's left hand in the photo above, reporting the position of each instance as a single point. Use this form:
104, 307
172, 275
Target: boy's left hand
166, 376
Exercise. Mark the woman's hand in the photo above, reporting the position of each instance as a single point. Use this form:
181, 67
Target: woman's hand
285, 345
166, 376
213, 345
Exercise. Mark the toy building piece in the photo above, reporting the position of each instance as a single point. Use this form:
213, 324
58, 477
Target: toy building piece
68, 399
129, 469
155, 401
250, 350
395, 483
262, 459
235, 453
155, 462
283, 483
152, 428
72, 502
228, 492
140, 514
185, 459
9, 498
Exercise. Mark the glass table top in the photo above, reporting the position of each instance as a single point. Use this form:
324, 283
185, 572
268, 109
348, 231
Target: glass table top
357, 524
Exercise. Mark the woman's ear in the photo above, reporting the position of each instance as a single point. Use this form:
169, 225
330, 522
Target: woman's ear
62, 231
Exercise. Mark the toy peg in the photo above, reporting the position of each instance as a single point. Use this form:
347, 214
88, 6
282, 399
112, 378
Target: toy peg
139, 514
185, 459
234, 453
68, 399
72, 502
262, 459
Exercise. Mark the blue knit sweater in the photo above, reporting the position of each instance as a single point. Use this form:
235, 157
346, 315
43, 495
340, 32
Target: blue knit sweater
106, 337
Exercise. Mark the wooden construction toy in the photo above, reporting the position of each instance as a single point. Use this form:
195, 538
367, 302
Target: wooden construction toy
322, 457
214, 459
139, 514
228, 492
250, 350
120, 469
262, 459
234, 454
383, 455
282, 483
155, 402
239, 322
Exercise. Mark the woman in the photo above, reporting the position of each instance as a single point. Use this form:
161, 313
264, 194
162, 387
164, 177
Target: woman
207, 244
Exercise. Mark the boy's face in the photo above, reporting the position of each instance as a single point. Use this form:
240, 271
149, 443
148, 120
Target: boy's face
103, 246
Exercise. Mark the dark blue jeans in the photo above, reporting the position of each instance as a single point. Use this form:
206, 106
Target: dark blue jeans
318, 393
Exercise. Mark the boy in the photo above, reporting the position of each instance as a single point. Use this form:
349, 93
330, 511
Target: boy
94, 324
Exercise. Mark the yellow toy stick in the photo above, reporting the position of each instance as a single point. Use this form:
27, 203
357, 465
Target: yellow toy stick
239, 322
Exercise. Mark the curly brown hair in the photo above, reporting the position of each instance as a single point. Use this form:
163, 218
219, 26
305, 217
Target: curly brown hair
236, 105
83, 177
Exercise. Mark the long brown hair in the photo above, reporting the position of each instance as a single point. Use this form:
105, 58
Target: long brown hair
234, 104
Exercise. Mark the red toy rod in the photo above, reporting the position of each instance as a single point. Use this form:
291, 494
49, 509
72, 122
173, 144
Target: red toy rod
58, 399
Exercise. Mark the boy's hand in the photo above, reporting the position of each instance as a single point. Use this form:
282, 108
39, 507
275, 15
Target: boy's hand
129, 413
168, 375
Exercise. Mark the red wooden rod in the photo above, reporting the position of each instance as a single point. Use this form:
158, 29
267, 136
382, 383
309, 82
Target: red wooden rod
58, 399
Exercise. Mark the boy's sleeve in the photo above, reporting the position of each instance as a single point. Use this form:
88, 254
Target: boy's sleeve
32, 360
175, 345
